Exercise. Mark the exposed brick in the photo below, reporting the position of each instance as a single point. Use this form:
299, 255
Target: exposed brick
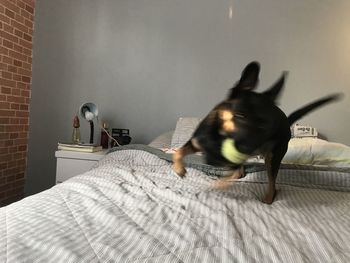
18, 183
21, 4
26, 44
20, 176
26, 65
21, 85
11, 164
4, 120
4, 150
20, 142
23, 121
14, 192
5, 187
17, 155
23, 107
22, 114
10, 178
27, 37
30, 9
3, 66
12, 6
6, 90
6, 75
15, 99
25, 93
16, 92
9, 13
7, 83
29, 2
18, 48
4, 105
2, 179
6, 143
16, 45
22, 148
9, 37
12, 68
24, 72
14, 136
20, 18
17, 55
7, 28
17, 77
17, 63
27, 52
29, 23
14, 128
26, 79
5, 18
18, 33
6, 113
7, 60
14, 121
3, 166
19, 26
3, 51
7, 44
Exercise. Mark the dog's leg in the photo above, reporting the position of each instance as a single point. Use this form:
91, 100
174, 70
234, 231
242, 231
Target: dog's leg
189, 148
227, 181
272, 163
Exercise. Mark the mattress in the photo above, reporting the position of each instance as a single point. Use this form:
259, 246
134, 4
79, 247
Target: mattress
131, 207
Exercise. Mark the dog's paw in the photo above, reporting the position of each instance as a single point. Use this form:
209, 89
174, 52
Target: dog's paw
221, 184
228, 180
179, 170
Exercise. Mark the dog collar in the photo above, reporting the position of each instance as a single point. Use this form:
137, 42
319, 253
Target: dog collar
230, 152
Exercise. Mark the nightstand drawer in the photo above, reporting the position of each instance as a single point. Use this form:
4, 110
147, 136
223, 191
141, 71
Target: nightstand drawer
70, 163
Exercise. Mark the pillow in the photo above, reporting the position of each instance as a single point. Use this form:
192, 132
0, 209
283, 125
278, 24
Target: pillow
183, 131
163, 141
314, 151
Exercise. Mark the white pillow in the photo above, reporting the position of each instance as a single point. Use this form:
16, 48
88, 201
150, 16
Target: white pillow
314, 151
183, 131
162, 141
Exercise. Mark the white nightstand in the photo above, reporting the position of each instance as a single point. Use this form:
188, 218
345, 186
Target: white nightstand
70, 163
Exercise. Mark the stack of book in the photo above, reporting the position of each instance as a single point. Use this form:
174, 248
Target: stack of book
79, 147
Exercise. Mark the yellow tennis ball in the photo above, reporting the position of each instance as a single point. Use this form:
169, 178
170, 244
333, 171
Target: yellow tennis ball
230, 152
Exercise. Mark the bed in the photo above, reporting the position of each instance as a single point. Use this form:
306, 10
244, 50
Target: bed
132, 208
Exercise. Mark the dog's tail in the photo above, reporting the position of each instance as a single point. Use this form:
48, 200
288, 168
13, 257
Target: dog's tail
296, 115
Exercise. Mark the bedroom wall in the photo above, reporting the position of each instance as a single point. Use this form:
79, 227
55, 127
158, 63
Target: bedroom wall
16, 34
146, 63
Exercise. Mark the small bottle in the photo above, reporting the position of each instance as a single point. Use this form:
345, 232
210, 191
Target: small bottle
104, 136
76, 130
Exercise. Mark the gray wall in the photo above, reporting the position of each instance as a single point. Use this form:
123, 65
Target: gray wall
147, 62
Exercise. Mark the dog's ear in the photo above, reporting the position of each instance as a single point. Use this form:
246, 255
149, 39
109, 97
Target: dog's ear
276, 88
249, 79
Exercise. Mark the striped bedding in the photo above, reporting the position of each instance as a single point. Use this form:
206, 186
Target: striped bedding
132, 208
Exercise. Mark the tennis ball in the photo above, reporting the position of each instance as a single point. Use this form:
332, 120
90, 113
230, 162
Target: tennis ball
230, 152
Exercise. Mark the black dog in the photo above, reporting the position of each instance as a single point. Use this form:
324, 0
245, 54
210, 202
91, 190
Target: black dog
246, 124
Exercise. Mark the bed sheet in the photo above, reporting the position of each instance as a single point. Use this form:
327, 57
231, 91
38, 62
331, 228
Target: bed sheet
132, 208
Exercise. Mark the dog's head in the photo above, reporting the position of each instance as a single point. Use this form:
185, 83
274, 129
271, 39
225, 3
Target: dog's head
247, 116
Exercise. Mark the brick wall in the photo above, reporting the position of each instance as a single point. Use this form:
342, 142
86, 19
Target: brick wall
16, 37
